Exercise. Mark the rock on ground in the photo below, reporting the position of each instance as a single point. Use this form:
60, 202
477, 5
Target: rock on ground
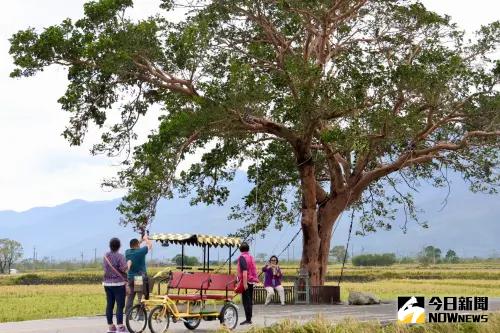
361, 298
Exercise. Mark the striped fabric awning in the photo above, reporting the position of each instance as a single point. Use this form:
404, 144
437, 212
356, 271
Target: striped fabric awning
196, 239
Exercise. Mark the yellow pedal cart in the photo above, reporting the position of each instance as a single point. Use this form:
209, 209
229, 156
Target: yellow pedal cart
191, 296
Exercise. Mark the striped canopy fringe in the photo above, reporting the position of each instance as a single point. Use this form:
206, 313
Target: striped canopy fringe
196, 240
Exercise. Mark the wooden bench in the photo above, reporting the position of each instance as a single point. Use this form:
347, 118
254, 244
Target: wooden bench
317, 295
202, 283
260, 294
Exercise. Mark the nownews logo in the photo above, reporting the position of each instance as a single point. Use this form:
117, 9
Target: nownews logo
453, 304
411, 309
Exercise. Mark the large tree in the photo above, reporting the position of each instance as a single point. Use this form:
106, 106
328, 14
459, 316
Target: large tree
430, 254
338, 253
10, 252
339, 101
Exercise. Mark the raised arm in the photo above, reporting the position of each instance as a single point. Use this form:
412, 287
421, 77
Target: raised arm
148, 242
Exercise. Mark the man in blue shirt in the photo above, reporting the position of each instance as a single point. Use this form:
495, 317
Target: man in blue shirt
136, 260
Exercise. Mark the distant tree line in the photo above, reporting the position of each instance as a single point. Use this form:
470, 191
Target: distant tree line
11, 253
432, 255
188, 261
428, 255
385, 259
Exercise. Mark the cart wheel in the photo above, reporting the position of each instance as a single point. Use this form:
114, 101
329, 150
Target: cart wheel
192, 323
159, 319
229, 316
136, 319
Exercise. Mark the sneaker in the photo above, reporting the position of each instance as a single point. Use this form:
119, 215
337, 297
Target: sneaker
112, 329
122, 329
246, 322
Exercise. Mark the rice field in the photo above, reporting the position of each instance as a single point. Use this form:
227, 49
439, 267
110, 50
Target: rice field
391, 289
79, 293
462, 271
23, 302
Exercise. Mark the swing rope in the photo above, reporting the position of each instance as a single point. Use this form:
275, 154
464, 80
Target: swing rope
346, 248
409, 149
290, 243
257, 166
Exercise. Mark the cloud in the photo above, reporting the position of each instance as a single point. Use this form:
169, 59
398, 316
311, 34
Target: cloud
37, 165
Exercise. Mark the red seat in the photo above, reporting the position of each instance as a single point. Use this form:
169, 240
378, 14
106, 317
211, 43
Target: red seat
202, 282
196, 297
222, 282
184, 280
218, 296
185, 297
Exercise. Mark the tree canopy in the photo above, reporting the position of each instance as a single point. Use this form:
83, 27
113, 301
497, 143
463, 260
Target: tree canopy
338, 253
188, 261
430, 254
340, 101
10, 252
451, 257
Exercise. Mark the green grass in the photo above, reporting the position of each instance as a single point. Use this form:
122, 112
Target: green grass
350, 326
79, 293
50, 301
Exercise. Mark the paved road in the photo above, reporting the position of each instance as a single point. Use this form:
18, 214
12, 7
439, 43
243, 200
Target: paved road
263, 316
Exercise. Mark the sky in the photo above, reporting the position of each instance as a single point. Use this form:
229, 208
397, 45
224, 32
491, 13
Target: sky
37, 165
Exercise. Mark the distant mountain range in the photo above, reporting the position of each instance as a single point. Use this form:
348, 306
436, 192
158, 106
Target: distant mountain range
469, 224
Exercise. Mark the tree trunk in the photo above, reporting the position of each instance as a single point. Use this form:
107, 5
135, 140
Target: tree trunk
317, 227
319, 213
311, 245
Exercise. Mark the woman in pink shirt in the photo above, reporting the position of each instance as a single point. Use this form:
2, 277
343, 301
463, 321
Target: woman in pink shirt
247, 273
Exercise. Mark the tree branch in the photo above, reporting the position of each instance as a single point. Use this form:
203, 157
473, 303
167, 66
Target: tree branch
160, 78
256, 124
419, 156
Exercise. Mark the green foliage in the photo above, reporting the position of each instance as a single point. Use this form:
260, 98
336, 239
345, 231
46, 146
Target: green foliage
188, 261
451, 257
430, 255
385, 259
254, 81
88, 277
10, 252
338, 252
